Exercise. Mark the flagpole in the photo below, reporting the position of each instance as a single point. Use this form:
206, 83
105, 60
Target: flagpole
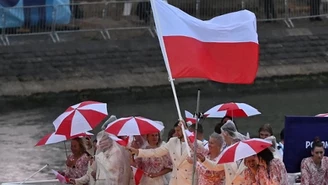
195, 142
166, 61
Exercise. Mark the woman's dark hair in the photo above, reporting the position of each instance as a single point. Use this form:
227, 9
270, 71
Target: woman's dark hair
199, 128
316, 143
170, 134
225, 117
282, 134
176, 123
266, 127
218, 126
267, 156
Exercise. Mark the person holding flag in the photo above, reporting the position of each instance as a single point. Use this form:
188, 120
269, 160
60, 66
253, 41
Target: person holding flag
224, 49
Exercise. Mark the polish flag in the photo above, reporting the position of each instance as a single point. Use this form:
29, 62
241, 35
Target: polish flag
190, 117
224, 49
62, 179
190, 135
137, 175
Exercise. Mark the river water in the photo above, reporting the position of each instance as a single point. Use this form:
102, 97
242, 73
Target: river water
21, 129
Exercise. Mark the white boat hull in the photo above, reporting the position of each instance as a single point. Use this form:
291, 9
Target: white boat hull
56, 182
45, 182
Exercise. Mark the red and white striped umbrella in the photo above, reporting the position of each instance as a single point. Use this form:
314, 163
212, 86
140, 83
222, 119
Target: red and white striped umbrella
130, 126
53, 138
243, 149
322, 115
234, 110
80, 118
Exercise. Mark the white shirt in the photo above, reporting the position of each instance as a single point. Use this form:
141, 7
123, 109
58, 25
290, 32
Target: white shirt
281, 149
205, 144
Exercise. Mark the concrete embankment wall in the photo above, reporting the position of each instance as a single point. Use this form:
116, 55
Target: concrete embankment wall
134, 69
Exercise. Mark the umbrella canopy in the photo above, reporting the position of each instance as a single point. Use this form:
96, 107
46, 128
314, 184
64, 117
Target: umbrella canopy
322, 115
53, 138
235, 110
80, 118
129, 126
243, 149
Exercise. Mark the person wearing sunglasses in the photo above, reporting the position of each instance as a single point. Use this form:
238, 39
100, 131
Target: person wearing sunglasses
314, 169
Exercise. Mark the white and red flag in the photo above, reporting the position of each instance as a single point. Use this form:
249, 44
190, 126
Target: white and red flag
122, 142
190, 118
224, 49
62, 179
137, 175
190, 135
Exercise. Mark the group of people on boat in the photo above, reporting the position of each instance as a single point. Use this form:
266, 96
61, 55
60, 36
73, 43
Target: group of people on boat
103, 161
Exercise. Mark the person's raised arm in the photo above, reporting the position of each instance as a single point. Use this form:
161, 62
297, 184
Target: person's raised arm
157, 152
210, 165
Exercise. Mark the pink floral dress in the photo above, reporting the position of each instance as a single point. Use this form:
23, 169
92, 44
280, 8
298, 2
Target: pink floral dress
81, 167
312, 175
153, 165
208, 177
276, 174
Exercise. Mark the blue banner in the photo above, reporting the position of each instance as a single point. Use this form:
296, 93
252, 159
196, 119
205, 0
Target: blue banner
299, 135
17, 16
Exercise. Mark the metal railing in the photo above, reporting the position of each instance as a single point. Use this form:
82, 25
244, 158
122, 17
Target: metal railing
102, 18
55, 21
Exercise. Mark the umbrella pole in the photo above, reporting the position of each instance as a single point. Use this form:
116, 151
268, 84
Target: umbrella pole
65, 148
195, 142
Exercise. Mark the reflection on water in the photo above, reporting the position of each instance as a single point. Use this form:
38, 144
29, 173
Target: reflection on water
20, 130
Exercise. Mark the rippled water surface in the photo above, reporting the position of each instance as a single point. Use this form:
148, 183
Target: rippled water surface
20, 130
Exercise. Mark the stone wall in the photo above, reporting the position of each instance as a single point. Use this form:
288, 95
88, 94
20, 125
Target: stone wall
29, 69
134, 69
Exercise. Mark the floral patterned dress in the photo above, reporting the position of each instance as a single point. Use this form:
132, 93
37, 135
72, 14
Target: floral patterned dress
153, 165
81, 167
311, 174
276, 174
208, 177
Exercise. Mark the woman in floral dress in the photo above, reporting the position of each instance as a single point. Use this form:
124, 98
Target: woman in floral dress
264, 169
208, 177
155, 167
314, 169
77, 162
